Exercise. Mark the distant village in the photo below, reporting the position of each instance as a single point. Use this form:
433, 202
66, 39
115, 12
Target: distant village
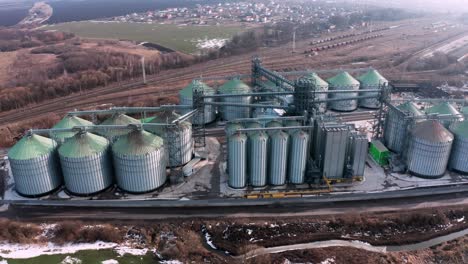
240, 12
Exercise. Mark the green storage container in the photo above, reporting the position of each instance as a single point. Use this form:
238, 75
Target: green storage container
379, 152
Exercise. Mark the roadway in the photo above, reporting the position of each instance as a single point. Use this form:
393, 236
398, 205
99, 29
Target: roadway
42, 210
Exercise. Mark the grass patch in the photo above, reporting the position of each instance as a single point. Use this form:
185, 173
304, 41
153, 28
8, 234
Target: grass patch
180, 38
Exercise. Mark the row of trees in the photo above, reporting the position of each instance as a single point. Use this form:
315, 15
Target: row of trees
14, 39
75, 70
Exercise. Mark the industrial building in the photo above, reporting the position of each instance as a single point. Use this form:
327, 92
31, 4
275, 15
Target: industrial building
277, 131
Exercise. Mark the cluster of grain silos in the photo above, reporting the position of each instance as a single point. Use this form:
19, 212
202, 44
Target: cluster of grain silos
424, 141
88, 163
259, 158
306, 89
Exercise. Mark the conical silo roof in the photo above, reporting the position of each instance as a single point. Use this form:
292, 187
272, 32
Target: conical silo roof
372, 78
83, 145
70, 122
164, 117
137, 143
120, 120
274, 124
410, 108
117, 120
444, 108
31, 146
460, 129
431, 131
343, 79
315, 79
234, 86
188, 90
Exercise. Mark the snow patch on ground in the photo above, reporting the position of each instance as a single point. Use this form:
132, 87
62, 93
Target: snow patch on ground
19, 251
459, 220
211, 43
168, 262
71, 260
3, 262
110, 261
328, 261
123, 250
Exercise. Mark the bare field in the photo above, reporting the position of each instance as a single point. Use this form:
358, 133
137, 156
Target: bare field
8, 58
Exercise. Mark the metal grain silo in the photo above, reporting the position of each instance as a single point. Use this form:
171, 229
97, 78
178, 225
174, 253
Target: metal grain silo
357, 153
445, 108
177, 140
117, 120
370, 81
231, 128
298, 154
235, 86
258, 158
429, 149
343, 81
335, 138
273, 124
237, 160
278, 157
35, 165
68, 122
459, 156
186, 98
396, 125
86, 163
304, 94
140, 162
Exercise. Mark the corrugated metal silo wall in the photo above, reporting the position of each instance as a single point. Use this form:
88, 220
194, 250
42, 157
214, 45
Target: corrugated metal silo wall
88, 175
396, 131
258, 156
334, 152
346, 105
298, 154
179, 144
210, 110
427, 158
141, 173
229, 113
359, 147
237, 161
278, 157
37, 176
304, 98
372, 103
459, 156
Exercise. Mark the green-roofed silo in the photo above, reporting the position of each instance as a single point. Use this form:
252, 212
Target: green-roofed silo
68, 121
86, 163
177, 139
445, 108
459, 156
371, 80
304, 94
117, 120
343, 81
235, 86
35, 166
186, 98
396, 125
140, 161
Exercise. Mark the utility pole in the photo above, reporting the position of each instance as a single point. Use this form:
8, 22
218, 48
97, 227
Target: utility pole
143, 70
294, 41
